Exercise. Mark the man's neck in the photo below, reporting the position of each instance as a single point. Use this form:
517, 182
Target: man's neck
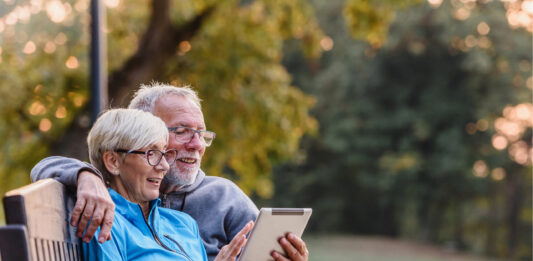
168, 187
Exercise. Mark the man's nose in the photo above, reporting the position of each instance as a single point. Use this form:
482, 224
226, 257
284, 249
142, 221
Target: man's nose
195, 143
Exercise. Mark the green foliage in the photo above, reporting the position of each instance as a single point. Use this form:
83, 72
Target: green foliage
40, 94
235, 64
370, 19
396, 153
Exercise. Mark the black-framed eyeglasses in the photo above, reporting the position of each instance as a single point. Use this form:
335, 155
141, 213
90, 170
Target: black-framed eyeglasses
154, 156
184, 134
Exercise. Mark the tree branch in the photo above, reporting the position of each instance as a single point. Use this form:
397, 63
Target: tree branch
157, 46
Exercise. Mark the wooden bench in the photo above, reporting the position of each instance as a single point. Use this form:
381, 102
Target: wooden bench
37, 224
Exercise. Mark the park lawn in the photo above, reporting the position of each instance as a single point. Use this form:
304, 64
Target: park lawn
344, 248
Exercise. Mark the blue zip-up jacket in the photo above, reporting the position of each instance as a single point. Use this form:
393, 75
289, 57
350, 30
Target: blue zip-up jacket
217, 204
166, 235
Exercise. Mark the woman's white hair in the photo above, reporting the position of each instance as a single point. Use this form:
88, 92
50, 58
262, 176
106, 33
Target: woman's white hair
145, 98
128, 129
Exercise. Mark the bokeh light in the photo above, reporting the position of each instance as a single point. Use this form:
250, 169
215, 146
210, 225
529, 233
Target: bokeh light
462, 14
519, 152
37, 108
483, 28
45, 125
184, 47
435, 3
482, 125
29, 48
56, 11
499, 142
480, 169
49, 47
326, 43
112, 3
72, 62
60, 39
498, 174
61, 112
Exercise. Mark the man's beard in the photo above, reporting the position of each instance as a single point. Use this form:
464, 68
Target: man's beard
183, 175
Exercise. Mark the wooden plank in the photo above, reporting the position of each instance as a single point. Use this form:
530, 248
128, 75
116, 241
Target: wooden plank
44, 208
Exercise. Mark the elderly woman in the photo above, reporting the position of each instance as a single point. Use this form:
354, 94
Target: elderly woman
129, 147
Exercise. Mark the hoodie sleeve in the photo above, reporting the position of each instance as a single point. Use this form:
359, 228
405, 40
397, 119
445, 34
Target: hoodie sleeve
62, 169
244, 211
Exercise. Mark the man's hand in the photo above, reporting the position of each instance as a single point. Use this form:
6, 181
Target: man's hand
95, 205
231, 250
294, 247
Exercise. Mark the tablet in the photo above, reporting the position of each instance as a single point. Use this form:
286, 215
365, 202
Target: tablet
270, 225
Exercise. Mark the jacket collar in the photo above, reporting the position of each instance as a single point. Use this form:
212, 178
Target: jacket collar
129, 209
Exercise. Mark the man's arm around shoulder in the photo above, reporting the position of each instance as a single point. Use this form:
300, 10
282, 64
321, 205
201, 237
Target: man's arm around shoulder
62, 169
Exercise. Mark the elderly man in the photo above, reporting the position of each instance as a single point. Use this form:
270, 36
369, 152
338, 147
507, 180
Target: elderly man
217, 204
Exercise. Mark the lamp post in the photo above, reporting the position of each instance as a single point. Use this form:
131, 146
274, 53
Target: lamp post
98, 73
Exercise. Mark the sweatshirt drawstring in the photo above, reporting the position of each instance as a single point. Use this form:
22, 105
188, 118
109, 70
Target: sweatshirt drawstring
183, 201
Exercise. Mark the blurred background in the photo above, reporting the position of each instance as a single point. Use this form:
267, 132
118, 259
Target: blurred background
405, 124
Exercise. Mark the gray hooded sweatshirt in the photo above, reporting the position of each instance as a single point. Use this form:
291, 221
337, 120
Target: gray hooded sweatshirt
217, 204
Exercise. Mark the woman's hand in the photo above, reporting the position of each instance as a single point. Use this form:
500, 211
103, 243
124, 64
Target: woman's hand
230, 251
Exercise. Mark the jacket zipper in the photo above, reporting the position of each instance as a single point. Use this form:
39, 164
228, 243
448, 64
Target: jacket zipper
155, 235
156, 238
181, 248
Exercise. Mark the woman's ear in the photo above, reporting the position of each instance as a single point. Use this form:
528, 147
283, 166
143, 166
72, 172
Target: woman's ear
112, 162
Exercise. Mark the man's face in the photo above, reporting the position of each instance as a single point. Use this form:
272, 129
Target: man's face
179, 111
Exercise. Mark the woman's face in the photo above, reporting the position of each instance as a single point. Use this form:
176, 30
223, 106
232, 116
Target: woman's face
138, 181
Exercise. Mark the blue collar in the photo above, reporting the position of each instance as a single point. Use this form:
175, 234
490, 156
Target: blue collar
127, 208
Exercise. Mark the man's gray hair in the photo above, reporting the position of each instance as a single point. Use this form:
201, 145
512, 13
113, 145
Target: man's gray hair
128, 129
145, 98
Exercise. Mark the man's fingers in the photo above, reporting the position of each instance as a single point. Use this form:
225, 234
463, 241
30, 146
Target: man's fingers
94, 208
278, 257
291, 251
105, 232
298, 243
76, 212
85, 218
96, 220
295, 248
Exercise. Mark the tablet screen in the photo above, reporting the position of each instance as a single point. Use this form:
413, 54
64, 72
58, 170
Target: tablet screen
272, 224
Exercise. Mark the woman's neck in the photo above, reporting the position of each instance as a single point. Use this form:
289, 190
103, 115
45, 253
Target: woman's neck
145, 207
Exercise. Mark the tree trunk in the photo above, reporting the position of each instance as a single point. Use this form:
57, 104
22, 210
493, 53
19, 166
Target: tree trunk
157, 46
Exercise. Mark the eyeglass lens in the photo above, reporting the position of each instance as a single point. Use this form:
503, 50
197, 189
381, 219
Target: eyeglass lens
185, 135
154, 156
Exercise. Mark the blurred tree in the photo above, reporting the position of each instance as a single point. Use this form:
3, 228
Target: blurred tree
412, 137
230, 51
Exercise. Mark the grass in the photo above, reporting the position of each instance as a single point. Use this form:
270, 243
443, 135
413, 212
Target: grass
347, 248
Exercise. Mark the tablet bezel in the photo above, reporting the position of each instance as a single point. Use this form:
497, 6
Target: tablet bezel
271, 224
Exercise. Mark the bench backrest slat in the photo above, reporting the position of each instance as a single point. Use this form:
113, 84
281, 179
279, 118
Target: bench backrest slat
44, 208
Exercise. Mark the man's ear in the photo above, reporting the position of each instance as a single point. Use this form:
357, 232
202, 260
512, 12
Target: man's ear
112, 162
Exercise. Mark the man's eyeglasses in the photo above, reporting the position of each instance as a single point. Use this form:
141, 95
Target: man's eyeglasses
185, 135
154, 156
